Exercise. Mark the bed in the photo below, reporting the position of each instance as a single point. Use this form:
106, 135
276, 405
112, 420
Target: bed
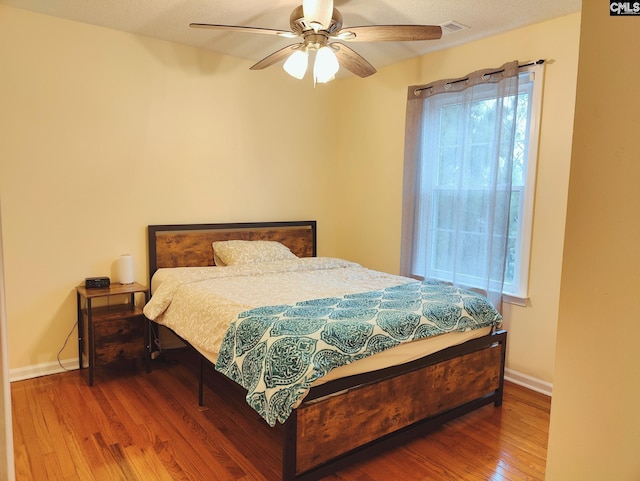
364, 404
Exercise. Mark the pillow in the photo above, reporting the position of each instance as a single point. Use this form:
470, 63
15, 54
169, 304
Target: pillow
236, 252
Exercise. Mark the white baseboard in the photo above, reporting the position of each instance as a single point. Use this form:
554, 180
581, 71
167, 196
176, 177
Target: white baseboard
529, 382
45, 369
48, 368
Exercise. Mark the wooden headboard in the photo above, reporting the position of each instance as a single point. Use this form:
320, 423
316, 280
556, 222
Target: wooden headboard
189, 245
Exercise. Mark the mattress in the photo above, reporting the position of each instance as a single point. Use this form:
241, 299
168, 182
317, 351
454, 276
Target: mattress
200, 303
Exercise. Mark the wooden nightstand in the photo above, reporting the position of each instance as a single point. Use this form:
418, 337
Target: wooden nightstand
112, 332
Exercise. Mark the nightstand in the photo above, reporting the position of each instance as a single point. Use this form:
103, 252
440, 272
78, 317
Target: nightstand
112, 332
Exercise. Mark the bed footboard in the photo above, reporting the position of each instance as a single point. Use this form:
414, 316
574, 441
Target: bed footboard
329, 431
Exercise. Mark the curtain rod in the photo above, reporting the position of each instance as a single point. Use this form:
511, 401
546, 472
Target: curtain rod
537, 62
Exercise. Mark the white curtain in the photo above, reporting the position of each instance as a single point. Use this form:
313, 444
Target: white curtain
457, 179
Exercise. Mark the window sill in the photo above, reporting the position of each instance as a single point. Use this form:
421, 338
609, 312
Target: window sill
515, 300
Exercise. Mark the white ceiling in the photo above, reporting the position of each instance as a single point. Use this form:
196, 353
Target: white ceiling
169, 20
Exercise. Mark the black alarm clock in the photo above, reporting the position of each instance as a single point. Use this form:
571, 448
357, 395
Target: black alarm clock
95, 282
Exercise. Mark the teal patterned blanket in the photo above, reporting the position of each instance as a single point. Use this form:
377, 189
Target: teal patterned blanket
277, 352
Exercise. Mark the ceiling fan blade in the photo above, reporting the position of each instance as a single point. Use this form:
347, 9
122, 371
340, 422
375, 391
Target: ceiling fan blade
390, 33
276, 57
236, 28
352, 61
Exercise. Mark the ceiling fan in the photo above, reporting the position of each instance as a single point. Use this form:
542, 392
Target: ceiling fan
319, 25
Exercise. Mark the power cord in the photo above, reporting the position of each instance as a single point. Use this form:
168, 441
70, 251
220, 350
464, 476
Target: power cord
65, 345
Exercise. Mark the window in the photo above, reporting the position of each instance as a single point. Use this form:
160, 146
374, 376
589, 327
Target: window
476, 157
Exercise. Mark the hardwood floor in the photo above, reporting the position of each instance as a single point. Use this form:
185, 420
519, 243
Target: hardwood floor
148, 426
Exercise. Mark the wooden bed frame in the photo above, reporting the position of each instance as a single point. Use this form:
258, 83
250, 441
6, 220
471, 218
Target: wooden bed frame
351, 418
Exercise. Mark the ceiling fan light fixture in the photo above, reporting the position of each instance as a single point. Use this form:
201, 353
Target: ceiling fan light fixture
325, 66
316, 23
296, 64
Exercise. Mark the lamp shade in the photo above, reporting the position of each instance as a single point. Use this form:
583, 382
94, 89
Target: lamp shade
318, 13
326, 65
296, 64
125, 269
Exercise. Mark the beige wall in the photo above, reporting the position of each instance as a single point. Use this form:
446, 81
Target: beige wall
95, 122
104, 133
595, 421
